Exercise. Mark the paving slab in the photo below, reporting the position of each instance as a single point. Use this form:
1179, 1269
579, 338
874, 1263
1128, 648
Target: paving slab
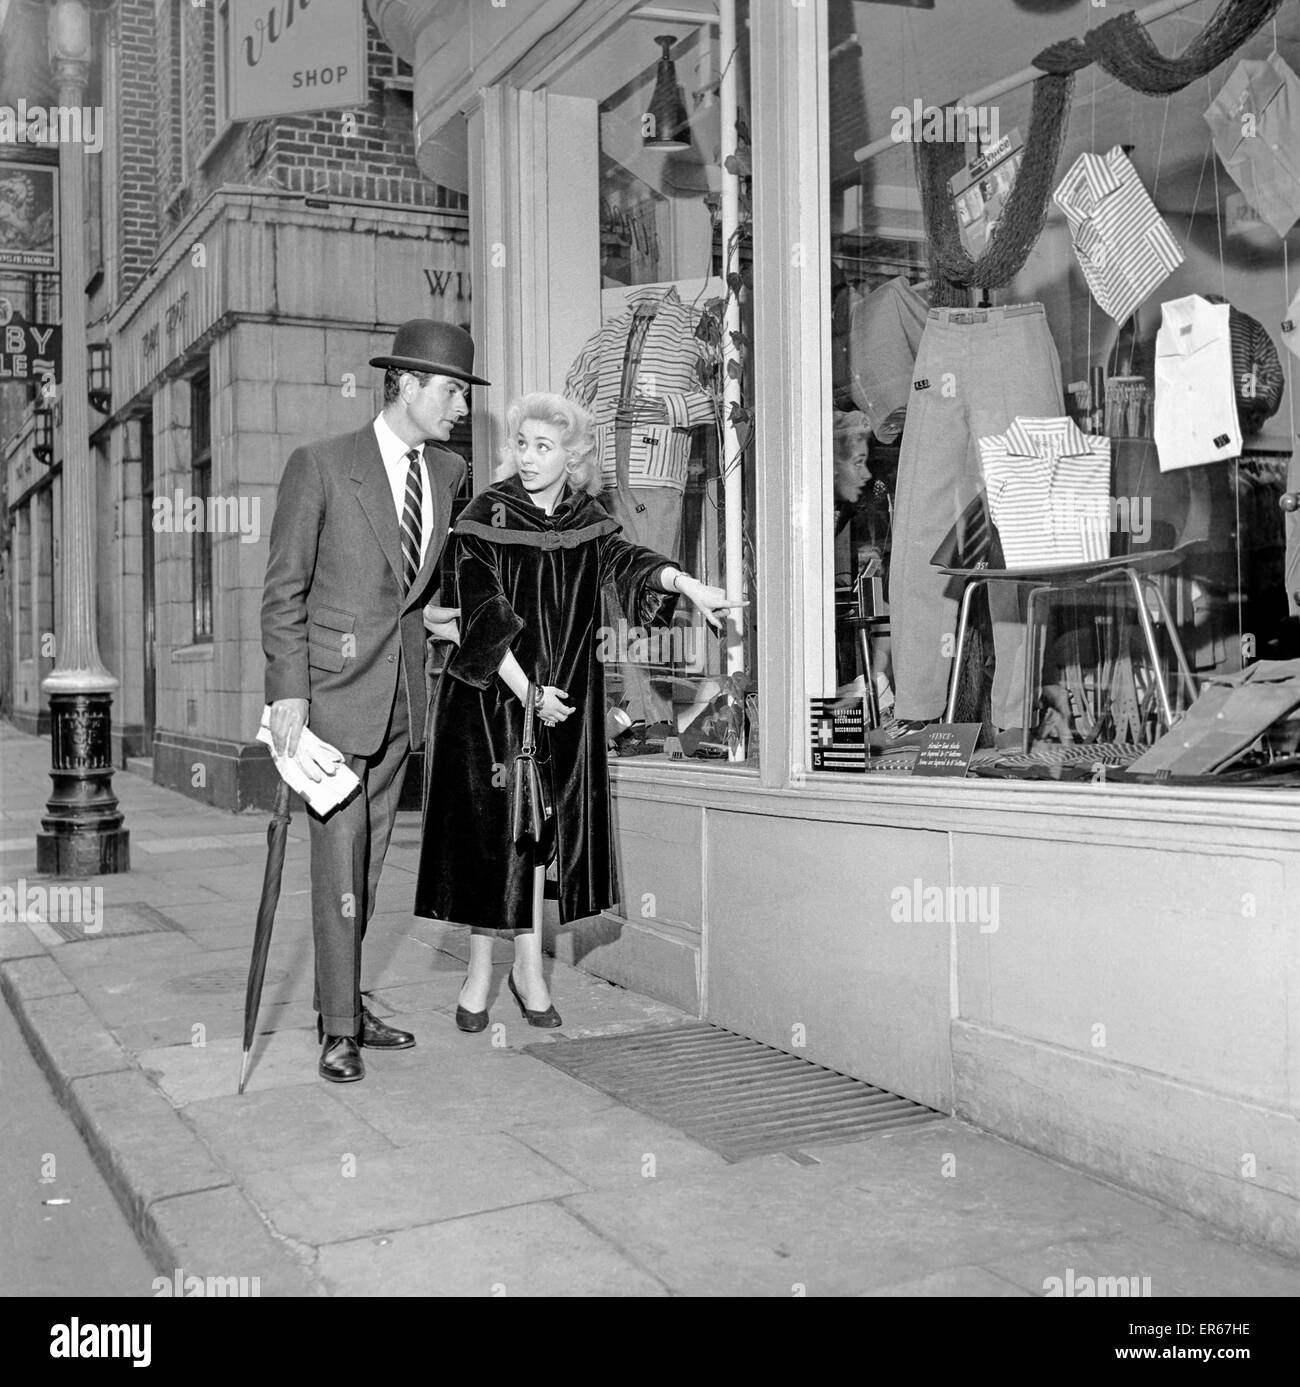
336, 1200
1181, 1261
533, 1250
72, 1037
218, 1233
618, 1148
28, 978
140, 1141
191, 1073
17, 941
972, 1282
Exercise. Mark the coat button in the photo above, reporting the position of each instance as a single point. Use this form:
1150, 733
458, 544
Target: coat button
392, 659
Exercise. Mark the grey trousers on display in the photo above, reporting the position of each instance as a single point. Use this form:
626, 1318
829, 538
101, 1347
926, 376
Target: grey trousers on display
347, 855
658, 527
976, 371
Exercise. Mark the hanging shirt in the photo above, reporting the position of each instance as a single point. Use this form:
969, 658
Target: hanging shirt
1048, 487
666, 395
1255, 125
1123, 247
1196, 405
1291, 326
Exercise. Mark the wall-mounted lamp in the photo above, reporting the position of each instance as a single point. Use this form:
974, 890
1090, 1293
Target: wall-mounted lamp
666, 123
101, 377
43, 436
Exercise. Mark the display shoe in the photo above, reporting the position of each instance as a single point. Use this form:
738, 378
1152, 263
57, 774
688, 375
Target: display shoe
377, 1036
340, 1059
550, 1018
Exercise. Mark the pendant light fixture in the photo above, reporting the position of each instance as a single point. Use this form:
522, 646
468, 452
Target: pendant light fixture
666, 125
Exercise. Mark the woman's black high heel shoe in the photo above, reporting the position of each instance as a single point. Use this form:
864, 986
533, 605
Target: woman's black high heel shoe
549, 1019
471, 1021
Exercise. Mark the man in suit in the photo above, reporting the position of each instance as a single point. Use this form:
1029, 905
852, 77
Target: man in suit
360, 524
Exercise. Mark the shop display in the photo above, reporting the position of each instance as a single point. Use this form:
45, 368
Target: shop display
1123, 48
1196, 406
1291, 326
883, 340
1049, 492
1257, 379
1123, 246
1255, 125
976, 371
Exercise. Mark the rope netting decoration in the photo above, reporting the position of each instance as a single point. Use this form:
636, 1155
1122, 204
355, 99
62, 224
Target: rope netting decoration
1123, 48
952, 269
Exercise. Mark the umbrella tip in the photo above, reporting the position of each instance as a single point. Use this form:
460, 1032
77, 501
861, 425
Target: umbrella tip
243, 1071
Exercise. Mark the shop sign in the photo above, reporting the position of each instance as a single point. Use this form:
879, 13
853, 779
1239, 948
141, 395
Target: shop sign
29, 217
28, 351
287, 56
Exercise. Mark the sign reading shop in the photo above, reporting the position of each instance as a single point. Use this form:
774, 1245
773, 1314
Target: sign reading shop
287, 56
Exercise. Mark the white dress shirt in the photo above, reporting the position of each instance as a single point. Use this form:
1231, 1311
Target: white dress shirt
1255, 125
1123, 247
394, 451
1196, 405
1048, 487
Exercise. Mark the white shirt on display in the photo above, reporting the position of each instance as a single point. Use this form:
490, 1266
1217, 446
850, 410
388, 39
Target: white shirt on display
1196, 406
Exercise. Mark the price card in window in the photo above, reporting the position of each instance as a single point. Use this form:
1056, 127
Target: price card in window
947, 748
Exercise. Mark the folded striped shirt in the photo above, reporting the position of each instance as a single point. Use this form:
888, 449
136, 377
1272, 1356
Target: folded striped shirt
1123, 247
1048, 486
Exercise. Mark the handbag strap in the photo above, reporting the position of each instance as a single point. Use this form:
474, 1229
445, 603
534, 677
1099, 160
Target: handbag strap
529, 746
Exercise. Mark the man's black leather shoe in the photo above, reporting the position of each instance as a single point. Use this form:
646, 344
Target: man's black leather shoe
340, 1060
376, 1036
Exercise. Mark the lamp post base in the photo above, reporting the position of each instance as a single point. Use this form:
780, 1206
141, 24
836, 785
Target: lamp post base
81, 832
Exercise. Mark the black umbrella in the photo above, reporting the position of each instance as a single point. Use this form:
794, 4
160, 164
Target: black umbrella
277, 833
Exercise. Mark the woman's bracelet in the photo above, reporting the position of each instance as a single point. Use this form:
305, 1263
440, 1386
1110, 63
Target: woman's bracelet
539, 696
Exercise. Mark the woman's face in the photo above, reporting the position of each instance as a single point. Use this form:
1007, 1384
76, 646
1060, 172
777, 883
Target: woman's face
851, 470
539, 448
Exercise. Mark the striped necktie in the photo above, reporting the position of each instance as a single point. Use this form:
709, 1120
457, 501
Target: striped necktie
411, 523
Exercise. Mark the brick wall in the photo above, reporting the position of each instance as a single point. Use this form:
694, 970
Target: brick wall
136, 120
166, 125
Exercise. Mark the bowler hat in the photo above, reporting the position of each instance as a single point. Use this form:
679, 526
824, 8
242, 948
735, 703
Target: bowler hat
439, 349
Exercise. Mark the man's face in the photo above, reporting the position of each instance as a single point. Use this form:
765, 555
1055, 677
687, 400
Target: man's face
437, 406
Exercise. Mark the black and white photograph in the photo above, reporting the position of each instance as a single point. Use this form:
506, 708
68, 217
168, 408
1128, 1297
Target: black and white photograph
649, 651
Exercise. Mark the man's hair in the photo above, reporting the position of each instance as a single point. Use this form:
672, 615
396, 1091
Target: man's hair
393, 381
577, 437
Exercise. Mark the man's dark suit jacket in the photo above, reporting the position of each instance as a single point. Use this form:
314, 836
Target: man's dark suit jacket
334, 616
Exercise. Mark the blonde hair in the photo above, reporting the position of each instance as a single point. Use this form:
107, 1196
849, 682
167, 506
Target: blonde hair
577, 437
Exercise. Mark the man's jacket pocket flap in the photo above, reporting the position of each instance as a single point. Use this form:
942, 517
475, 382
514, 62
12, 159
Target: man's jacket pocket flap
334, 620
322, 657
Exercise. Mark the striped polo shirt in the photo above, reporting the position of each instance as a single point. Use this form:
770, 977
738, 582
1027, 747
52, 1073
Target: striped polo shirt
1123, 247
665, 395
1048, 487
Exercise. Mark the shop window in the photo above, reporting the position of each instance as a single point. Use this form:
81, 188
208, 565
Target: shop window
201, 490
1054, 522
667, 375
23, 579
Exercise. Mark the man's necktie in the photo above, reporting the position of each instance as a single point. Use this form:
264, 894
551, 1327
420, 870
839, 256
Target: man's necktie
411, 522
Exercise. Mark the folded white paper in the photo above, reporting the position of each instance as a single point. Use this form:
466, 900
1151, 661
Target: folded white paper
331, 789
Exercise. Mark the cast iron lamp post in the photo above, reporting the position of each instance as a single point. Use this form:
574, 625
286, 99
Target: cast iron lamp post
81, 831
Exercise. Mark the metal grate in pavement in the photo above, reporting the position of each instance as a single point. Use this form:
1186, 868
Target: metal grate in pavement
114, 922
734, 1095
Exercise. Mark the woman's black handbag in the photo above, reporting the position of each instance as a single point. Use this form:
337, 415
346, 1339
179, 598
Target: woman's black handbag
530, 803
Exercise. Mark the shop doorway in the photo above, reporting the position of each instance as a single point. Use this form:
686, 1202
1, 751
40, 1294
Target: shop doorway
149, 633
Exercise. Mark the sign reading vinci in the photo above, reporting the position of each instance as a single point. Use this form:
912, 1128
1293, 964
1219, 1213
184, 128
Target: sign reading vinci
286, 56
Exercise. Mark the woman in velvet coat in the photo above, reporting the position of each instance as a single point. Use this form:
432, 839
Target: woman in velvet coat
533, 553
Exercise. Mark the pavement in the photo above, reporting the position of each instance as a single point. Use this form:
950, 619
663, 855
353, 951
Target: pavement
466, 1166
